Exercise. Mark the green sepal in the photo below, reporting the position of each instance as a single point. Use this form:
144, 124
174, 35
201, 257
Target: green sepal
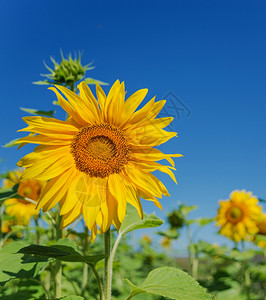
33, 111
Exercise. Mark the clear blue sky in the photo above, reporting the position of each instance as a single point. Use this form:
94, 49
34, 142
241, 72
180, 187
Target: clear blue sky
210, 54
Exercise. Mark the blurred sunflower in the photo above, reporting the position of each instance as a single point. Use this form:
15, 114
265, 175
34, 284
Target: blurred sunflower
238, 215
147, 239
7, 224
261, 224
101, 157
166, 242
19, 208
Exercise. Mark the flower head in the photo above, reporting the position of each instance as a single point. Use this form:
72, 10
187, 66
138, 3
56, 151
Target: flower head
7, 224
68, 72
147, 239
238, 215
101, 157
30, 188
166, 242
176, 219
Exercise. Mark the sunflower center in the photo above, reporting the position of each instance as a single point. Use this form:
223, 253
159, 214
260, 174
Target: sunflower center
100, 150
235, 214
101, 147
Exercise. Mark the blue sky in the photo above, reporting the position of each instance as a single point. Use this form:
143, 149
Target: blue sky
209, 54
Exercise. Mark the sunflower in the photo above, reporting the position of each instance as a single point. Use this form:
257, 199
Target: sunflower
238, 215
147, 239
101, 157
19, 208
166, 242
261, 224
7, 224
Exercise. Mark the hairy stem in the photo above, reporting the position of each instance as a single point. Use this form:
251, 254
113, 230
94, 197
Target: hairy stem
98, 281
85, 266
107, 266
58, 264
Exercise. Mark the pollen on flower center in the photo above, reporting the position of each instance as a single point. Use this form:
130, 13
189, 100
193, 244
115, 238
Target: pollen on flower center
100, 150
101, 147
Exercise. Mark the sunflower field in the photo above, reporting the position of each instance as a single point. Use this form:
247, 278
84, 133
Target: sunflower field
72, 219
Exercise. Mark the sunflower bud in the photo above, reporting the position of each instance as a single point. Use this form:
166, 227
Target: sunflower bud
176, 219
66, 73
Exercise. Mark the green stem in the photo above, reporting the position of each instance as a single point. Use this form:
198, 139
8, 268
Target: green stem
37, 230
1, 233
85, 266
58, 264
72, 282
98, 281
107, 266
193, 261
195, 265
112, 256
247, 283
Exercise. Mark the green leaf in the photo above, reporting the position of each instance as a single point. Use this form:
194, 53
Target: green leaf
64, 250
17, 265
204, 221
209, 249
260, 237
74, 297
132, 221
93, 259
71, 297
172, 283
262, 200
171, 234
242, 256
234, 292
42, 82
6, 193
258, 270
11, 143
55, 102
94, 81
186, 209
33, 111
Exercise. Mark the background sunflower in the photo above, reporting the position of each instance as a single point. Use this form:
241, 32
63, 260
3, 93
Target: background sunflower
238, 216
20, 208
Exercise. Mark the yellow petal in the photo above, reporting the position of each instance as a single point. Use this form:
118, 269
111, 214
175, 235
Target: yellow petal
72, 215
132, 104
116, 187
53, 187
82, 108
86, 94
143, 180
68, 108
